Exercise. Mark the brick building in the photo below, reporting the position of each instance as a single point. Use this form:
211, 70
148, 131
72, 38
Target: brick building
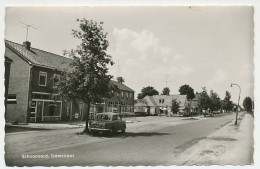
30, 94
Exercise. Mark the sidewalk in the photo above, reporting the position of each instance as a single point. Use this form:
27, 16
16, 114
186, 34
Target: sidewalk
146, 120
50, 126
230, 145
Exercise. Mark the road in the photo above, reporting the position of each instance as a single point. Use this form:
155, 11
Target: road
159, 147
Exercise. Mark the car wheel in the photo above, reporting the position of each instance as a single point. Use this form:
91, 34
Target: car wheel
123, 130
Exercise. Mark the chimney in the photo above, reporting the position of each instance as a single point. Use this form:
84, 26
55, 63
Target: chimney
27, 45
120, 79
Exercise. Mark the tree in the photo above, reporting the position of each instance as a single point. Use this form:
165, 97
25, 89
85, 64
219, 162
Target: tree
215, 102
88, 78
227, 104
187, 90
175, 106
247, 103
166, 91
204, 100
147, 91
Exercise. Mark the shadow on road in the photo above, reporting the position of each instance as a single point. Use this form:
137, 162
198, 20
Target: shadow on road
15, 129
131, 134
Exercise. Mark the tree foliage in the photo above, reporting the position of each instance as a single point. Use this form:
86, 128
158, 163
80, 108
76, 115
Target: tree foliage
204, 100
248, 104
187, 90
147, 91
215, 101
88, 79
175, 106
227, 104
166, 91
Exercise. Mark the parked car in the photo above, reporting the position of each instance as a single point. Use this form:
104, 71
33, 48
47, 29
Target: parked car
208, 113
107, 122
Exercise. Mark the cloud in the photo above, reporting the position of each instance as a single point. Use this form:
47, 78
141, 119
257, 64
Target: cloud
144, 59
165, 50
178, 56
247, 70
144, 44
219, 77
185, 70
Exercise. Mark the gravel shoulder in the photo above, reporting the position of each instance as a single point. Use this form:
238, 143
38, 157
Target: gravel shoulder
230, 145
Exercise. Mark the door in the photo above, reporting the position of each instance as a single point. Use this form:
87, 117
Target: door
39, 111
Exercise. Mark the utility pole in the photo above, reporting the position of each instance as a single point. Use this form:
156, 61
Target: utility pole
233, 84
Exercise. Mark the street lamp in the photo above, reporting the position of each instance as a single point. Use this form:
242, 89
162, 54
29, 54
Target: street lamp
238, 99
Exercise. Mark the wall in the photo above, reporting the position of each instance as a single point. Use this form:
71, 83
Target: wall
35, 80
19, 85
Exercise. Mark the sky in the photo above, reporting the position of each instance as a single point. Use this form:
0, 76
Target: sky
206, 46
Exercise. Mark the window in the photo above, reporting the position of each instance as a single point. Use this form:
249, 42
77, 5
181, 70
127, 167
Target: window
126, 94
122, 94
130, 95
42, 78
11, 99
115, 117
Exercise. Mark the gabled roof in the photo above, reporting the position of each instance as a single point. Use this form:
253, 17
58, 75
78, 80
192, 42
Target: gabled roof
49, 60
141, 103
165, 100
121, 86
193, 103
39, 57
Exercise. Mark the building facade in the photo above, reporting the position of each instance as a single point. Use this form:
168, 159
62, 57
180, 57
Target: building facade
30, 94
161, 104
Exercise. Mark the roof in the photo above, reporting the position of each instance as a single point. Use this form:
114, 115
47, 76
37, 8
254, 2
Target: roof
121, 86
165, 100
7, 59
39, 57
141, 103
50, 60
193, 103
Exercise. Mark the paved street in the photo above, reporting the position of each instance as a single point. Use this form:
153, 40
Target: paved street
157, 147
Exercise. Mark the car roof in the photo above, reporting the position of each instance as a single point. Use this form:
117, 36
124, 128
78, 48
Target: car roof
108, 113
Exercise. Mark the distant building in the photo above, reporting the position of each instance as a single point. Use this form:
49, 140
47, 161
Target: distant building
121, 101
161, 104
30, 94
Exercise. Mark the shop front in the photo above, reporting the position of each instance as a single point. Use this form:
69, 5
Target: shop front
45, 109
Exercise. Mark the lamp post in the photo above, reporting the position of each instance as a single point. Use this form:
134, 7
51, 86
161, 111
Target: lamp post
233, 84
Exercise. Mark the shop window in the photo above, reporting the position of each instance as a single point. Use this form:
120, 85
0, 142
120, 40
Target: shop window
11, 99
42, 78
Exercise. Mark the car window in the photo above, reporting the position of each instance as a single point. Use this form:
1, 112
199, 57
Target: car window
115, 117
106, 117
